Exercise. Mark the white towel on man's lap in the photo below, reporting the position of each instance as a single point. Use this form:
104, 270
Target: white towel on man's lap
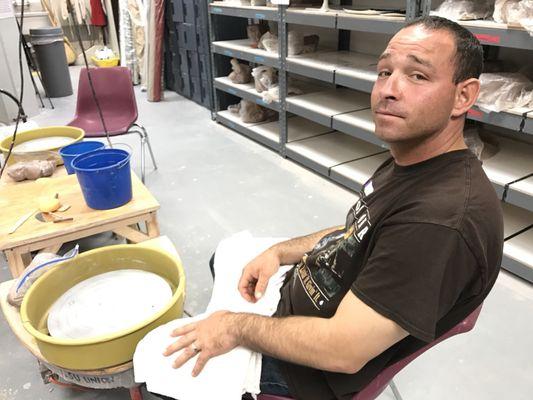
230, 375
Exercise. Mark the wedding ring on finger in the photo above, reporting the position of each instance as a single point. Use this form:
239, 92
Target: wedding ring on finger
195, 348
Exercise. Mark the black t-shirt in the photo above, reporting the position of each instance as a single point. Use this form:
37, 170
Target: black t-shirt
422, 247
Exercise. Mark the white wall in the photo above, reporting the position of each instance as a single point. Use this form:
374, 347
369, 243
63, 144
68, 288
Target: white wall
9, 73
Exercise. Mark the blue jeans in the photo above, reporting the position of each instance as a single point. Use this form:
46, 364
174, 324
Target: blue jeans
272, 381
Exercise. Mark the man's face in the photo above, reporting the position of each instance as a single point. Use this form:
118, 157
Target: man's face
414, 94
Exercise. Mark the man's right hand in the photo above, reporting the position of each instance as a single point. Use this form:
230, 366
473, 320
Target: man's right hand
255, 276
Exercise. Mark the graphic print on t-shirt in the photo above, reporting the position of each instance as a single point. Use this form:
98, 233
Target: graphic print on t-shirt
322, 278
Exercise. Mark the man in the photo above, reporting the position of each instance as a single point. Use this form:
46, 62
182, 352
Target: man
419, 251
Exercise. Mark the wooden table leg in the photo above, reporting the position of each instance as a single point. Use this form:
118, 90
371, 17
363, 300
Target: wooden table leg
131, 234
52, 249
152, 225
15, 262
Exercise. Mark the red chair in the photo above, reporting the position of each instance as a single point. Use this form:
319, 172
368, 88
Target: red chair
114, 91
384, 378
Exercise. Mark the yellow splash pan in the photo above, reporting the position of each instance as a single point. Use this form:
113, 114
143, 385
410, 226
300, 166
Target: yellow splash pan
106, 350
68, 131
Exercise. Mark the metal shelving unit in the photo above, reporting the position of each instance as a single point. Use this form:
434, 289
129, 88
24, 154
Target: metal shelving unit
322, 106
258, 12
506, 119
302, 16
242, 50
331, 130
250, 130
370, 24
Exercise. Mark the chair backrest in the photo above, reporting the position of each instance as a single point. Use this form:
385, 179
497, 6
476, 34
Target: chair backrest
114, 91
380, 382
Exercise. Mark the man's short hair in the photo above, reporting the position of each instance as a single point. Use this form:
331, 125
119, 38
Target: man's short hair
468, 50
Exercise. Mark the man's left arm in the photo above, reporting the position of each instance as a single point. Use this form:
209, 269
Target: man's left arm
343, 343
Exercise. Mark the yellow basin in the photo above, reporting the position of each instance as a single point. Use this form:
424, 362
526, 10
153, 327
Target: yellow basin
106, 350
68, 131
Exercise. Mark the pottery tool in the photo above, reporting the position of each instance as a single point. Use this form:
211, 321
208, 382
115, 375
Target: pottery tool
20, 221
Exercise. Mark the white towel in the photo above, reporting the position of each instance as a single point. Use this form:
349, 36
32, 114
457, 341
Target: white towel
230, 375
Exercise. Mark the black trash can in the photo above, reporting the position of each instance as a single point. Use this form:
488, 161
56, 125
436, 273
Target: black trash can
52, 60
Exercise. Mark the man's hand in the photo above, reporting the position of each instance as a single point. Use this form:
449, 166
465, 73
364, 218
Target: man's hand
255, 276
208, 338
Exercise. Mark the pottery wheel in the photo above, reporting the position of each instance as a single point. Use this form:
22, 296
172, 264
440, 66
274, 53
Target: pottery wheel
108, 303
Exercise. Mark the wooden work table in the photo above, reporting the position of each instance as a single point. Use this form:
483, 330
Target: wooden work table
17, 200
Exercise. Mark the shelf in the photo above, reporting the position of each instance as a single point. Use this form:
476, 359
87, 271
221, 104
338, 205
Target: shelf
509, 119
515, 219
518, 255
495, 34
346, 68
302, 16
321, 153
257, 12
250, 130
322, 106
301, 128
317, 65
358, 124
298, 129
242, 50
355, 174
521, 194
518, 251
512, 161
245, 90
374, 24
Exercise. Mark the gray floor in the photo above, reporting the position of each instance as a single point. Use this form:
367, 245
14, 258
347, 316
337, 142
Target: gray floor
213, 182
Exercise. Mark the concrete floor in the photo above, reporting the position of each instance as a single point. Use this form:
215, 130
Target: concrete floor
211, 183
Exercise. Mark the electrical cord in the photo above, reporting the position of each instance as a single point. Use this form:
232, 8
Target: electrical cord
19, 113
23, 115
78, 34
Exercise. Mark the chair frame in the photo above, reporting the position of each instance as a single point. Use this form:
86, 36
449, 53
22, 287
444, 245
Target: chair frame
145, 141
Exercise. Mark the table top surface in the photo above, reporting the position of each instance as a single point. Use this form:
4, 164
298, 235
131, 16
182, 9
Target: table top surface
7, 181
17, 200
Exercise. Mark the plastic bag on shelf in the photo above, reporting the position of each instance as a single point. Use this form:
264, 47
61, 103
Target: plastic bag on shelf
465, 9
250, 112
504, 91
473, 141
255, 32
515, 12
272, 94
268, 42
264, 78
241, 73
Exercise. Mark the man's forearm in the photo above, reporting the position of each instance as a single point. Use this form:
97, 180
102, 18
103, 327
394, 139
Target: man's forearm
291, 251
282, 338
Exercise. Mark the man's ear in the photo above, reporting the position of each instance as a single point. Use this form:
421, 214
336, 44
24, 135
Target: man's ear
465, 96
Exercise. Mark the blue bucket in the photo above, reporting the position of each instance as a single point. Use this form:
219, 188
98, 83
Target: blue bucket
105, 177
70, 152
